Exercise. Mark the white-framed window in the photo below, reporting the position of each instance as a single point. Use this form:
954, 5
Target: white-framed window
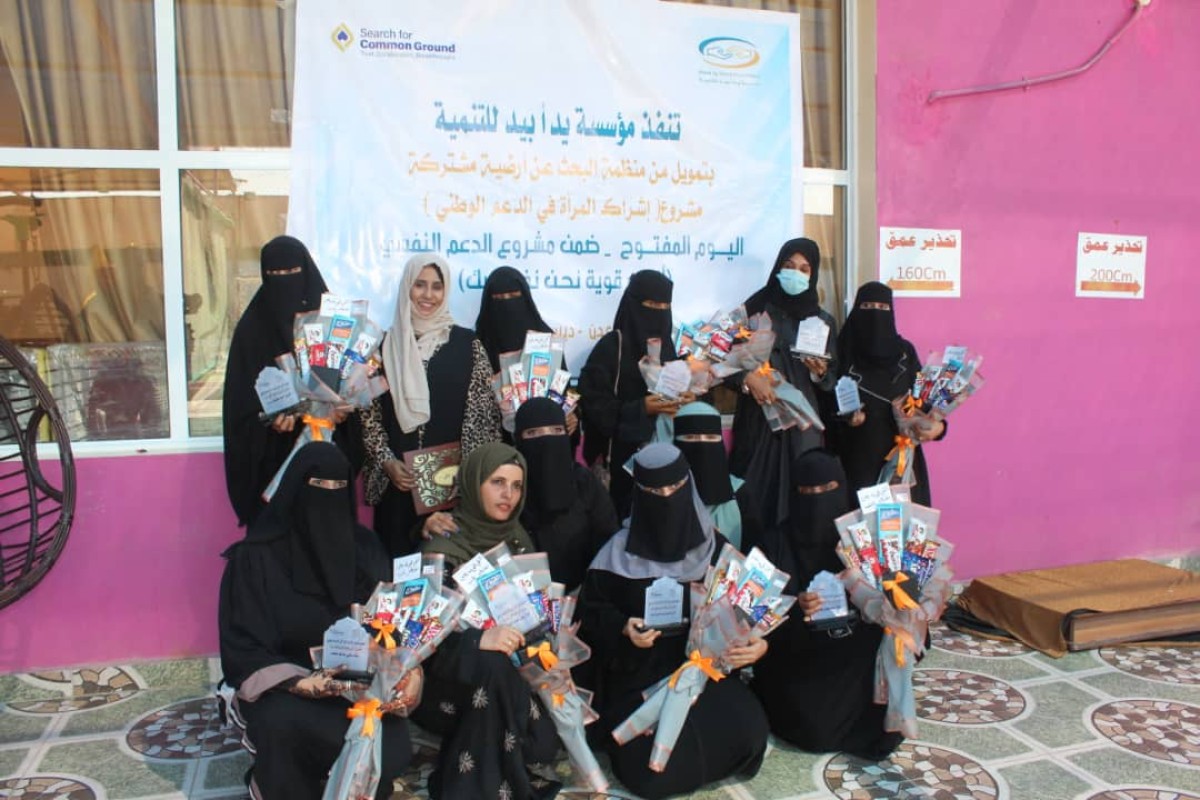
144, 160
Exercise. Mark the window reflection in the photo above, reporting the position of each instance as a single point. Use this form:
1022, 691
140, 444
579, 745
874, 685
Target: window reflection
227, 216
81, 284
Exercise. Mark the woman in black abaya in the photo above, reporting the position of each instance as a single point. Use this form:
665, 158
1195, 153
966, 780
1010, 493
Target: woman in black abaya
669, 535
885, 365
506, 313
567, 511
301, 565
291, 284
818, 686
729, 500
760, 456
618, 411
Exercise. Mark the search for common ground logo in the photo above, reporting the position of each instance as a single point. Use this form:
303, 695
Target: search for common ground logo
342, 37
727, 52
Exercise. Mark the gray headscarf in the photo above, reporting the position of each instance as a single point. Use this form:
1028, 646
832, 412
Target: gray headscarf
615, 556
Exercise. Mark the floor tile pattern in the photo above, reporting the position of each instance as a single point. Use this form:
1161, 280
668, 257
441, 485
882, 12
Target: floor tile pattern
998, 721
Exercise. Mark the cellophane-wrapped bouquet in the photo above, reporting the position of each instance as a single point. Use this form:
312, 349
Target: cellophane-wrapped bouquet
503, 589
897, 575
547, 666
942, 385
535, 371
408, 618
728, 343
335, 361
791, 408
740, 599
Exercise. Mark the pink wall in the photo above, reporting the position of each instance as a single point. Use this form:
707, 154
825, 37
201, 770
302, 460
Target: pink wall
139, 575
1084, 444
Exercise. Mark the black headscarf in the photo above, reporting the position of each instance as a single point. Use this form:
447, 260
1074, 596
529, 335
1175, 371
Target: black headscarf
870, 333
810, 533
284, 296
310, 528
502, 323
661, 528
708, 460
550, 483
252, 451
800, 306
637, 323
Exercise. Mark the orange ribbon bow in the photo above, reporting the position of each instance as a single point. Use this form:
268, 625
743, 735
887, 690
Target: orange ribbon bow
545, 655
369, 711
911, 406
705, 665
386, 629
901, 450
316, 425
900, 598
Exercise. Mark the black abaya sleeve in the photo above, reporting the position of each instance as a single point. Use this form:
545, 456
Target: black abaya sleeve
601, 621
602, 514
251, 448
604, 411
249, 634
751, 524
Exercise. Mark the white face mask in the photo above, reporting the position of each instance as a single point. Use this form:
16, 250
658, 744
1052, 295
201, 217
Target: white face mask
793, 281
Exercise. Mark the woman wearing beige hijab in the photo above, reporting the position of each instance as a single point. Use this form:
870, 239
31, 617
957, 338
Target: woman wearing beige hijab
440, 382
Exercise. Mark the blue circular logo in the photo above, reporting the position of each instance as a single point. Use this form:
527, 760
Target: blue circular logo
729, 53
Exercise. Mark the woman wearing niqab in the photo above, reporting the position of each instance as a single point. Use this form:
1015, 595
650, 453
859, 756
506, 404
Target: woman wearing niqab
618, 411
291, 284
567, 511
506, 314
668, 535
303, 562
730, 502
817, 685
885, 365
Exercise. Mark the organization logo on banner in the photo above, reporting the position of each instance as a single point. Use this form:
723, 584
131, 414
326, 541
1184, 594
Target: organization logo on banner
342, 37
726, 52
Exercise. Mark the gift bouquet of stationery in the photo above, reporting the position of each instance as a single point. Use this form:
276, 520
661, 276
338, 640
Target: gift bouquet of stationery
335, 363
750, 352
676, 377
374, 650
536, 371
898, 576
942, 385
740, 599
516, 591
707, 352
730, 337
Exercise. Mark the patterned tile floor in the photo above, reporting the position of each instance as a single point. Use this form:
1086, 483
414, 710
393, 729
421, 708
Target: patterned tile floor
998, 721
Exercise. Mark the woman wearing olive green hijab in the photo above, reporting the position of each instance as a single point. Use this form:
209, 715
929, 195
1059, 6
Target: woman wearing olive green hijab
490, 722
491, 489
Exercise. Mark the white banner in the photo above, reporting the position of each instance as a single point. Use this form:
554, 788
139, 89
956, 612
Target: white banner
578, 141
